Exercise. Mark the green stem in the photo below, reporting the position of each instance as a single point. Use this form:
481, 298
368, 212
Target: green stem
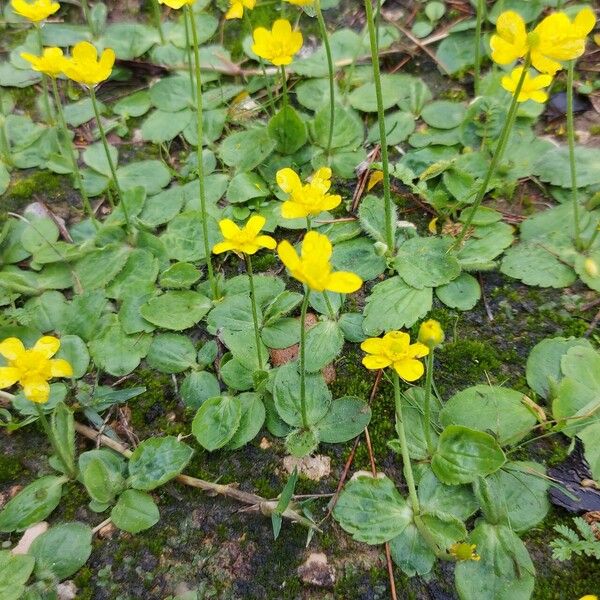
188, 50
408, 473
284, 87
69, 144
594, 236
86, 15
571, 138
329, 306
254, 310
52, 439
200, 131
303, 359
327, 45
109, 159
46, 93
4, 143
478, 26
497, 155
427, 407
157, 18
387, 196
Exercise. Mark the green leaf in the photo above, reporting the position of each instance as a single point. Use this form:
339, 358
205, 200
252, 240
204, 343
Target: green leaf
286, 393
347, 130
162, 207
364, 98
84, 314
436, 497
75, 352
245, 150
372, 510
32, 504
324, 343
63, 429
40, 233
46, 312
590, 436
553, 167
358, 256
398, 126
283, 333
152, 175
135, 511
301, 442
157, 460
181, 275
411, 552
462, 293
412, 416
351, 325
456, 53
139, 273
161, 126
426, 262
102, 473
371, 214
394, 305
100, 267
129, 40
184, 236
176, 310
63, 549
589, 276
217, 421
444, 114
242, 344
464, 454
15, 570
246, 186
314, 93
94, 156
543, 363
251, 420
197, 387
284, 501
288, 130
346, 418
505, 571
171, 353
134, 105
235, 375
498, 410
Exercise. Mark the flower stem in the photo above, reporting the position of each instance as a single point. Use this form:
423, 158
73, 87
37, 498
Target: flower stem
254, 310
111, 164
427, 407
329, 306
157, 19
86, 15
76, 173
480, 13
303, 358
200, 131
188, 51
408, 473
327, 45
46, 93
571, 138
52, 439
496, 156
387, 196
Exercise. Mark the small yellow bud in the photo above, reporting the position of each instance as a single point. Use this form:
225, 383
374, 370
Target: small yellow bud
431, 333
591, 267
463, 551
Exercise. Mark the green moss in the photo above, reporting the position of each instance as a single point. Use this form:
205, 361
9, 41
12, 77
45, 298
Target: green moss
264, 261
74, 497
23, 190
83, 582
10, 468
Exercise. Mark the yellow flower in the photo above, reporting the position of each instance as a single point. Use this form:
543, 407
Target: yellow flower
589, 597
32, 368
394, 349
313, 268
309, 199
84, 66
555, 39
464, 551
279, 45
51, 62
533, 87
35, 11
301, 2
176, 4
510, 40
236, 8
431, 333
245, 240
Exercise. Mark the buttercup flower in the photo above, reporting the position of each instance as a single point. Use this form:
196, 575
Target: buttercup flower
533, 87
555, 39
279, 45
244, 240
309, 199
313, 268
463, 551
431, 333
176, 4
84, 66
589, 597
32, 368
394, 349
51, 62
236, 8
35, 11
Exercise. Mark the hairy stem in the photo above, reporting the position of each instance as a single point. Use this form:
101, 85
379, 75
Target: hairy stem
303, 359
254, 310
327, 45
571, 138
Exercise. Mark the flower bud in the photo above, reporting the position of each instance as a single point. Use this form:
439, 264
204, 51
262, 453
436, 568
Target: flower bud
380, 248
431, 333
591, 267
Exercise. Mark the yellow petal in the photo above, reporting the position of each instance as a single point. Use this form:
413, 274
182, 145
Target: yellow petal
400, 339
8, 376
254, 224
294, 210
288, 255
374, 179
36, 390
282, 29
316, 247
221, 247
47, 345
544, 64
229, 229
236, 11
376, 362
84, 52
343, 282
418, 350
288, 180
11, 348
266, 241
330, 202
373, 346
59, 367
409, 369
584, 21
